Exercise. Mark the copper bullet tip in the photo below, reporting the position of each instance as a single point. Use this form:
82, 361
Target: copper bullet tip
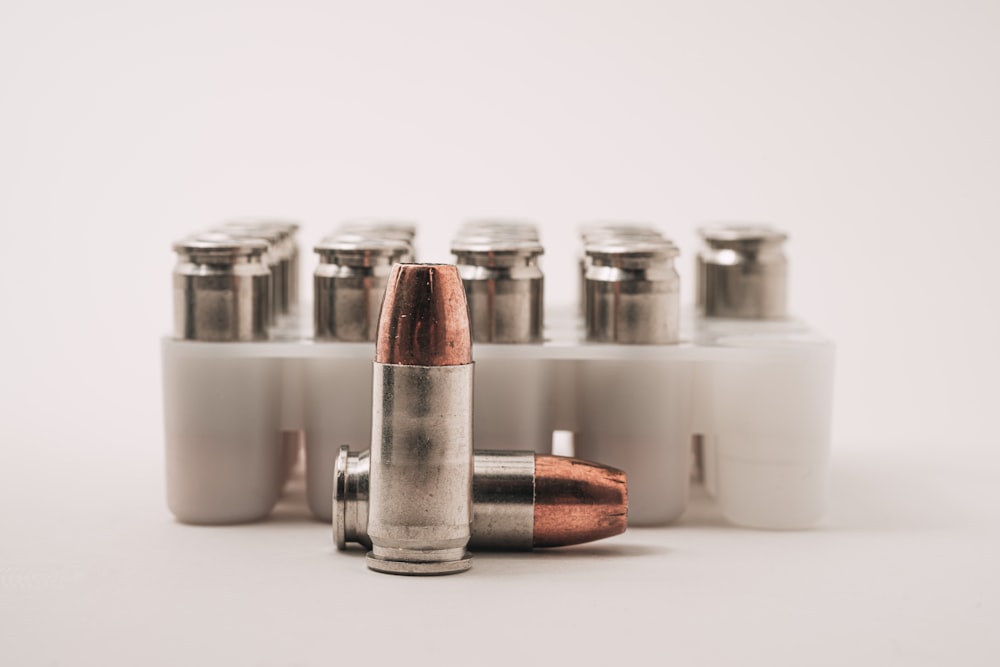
424, 319
577, 501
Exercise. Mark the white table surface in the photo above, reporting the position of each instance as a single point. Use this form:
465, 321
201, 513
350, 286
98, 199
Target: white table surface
93, 570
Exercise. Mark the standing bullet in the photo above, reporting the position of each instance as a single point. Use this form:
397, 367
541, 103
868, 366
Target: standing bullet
503, 285
742, 272
632, 291
521, 500
222, 289
277, 258
420, 502
348, 286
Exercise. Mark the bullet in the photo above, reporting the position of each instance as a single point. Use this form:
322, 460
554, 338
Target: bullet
742, 272
278, 258
420, 485
609, 230
632, 292
282, 235
348, 285
290, 250
222, 289
577, 501
520, 500
503, 286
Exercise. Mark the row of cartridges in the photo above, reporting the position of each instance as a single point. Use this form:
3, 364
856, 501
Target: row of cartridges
421, 496
237, 281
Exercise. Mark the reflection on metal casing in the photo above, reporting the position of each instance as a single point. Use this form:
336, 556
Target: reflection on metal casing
349, 282
420, 506
503, 493
222, 289
282, 257
420, 486
504, 288
742, 272
632, 292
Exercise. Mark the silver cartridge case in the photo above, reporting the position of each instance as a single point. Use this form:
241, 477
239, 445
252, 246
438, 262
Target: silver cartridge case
420, 507
222, 289
742, 272
283, 256
348, 285
503, 497
503, 500
632, 292
290, 249
504, 287
597, 232
272, 258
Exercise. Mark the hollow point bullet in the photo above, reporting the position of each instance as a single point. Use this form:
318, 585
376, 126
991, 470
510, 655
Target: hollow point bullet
420, 485
521, 500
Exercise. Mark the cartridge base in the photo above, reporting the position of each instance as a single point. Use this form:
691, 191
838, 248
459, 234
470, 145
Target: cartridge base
419, 568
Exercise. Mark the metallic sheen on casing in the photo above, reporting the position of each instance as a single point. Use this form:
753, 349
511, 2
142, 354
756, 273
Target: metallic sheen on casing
504, 288
283, 256
222, 289
348, 286
420, 486
632, 292
278, 258
420, 507
503, 500
290, 251
595, 232
350, 498
742, 272
503, 496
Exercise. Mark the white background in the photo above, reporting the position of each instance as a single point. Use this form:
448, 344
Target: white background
868, 130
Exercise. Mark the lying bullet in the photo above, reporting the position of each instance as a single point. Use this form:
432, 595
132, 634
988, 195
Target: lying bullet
520, 500
420, 486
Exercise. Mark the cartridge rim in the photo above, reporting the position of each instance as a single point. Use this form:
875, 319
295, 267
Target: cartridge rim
499, 228
263, 223
419, 568
340, 498
478, 245
741, 232
499, 223
221, 246
273, 235
603, 229
361, 245
612, 248
379, 227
